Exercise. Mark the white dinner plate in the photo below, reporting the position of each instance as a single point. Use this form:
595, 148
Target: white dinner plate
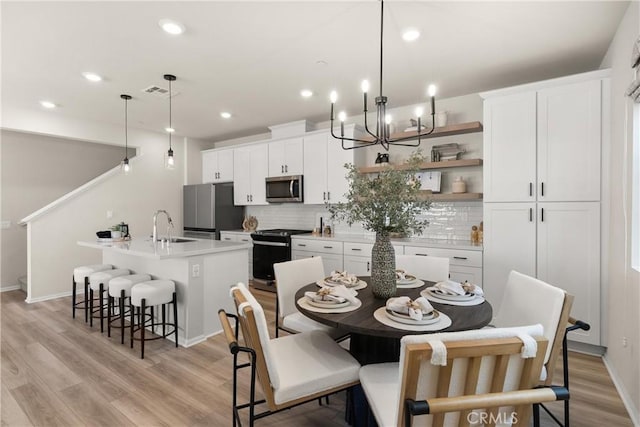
327, 304
442, 295
360, 285
408, 280
404, 318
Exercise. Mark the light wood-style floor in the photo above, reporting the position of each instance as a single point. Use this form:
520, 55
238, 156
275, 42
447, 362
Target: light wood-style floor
55, 370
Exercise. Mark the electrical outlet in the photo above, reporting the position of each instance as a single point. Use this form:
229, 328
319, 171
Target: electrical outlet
195, 270
624, 341
109, 214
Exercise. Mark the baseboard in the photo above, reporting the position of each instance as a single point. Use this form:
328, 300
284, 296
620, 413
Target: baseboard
590, 349
633, 412
48, 297
10, 288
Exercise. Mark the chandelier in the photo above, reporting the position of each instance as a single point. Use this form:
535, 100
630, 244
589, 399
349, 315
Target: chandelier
382, 135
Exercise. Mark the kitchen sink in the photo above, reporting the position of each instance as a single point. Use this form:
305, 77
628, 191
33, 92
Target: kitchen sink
178, 240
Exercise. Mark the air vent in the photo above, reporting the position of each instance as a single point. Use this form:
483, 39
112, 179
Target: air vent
158, 91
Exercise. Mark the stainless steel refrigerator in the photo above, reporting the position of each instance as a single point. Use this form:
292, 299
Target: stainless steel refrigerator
208, 209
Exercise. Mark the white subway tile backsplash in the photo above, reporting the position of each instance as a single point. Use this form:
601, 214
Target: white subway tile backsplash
447, 220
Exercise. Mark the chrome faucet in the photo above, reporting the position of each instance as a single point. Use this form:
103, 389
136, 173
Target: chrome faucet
155, 225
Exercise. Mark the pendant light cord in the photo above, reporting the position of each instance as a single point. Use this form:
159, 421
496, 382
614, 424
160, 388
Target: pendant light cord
126, 126
381, 27
170, 127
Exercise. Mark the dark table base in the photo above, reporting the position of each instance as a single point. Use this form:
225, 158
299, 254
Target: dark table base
369, 349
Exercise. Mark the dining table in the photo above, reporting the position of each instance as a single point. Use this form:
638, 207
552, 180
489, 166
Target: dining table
374, 342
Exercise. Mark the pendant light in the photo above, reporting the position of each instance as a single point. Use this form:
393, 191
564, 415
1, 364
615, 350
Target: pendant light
170, 161
126, 168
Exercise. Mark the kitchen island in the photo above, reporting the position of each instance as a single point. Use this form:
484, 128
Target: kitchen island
203, 271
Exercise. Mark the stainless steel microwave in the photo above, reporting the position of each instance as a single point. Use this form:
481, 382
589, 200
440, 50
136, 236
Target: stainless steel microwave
282, 189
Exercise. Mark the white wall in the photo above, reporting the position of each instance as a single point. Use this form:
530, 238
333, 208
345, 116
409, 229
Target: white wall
132, 198
624, 281
36, 170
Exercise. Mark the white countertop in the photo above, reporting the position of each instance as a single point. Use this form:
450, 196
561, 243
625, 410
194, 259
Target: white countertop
409, 241
145, 248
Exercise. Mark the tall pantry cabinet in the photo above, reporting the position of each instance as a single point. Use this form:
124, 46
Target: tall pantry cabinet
542, 189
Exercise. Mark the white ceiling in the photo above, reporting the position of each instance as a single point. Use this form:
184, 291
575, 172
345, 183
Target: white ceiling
253, 58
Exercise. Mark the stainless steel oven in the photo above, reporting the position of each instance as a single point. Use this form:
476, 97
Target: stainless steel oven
270, 247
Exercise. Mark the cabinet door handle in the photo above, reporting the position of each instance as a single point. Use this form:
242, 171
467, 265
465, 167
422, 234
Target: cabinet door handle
328, 195
356, 249
541, 214
531, 189
460, 257
422, 254
281, 169
530, 214
251, 197
324, 195
247, 197
302, 245
328, 247
542, 188
227, 238
368, 266
286, 168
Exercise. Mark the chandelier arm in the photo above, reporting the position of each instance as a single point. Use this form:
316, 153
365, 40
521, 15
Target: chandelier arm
355, 146
366, 128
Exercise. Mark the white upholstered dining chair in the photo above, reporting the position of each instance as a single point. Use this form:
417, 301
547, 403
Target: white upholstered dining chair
460, 378
431, 268
290, 370
291, 276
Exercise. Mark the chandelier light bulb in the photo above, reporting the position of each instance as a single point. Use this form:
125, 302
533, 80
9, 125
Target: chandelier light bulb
126, 167
387, 119
170, 160
431, 90
169, 130
333, 97
365, 86
342, 116
419, 111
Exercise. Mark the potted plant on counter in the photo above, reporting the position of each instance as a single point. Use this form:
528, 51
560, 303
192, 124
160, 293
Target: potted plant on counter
385, 202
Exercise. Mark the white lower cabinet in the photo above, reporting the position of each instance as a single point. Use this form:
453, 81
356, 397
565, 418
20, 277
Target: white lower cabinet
557, 242
330, 251
240, 236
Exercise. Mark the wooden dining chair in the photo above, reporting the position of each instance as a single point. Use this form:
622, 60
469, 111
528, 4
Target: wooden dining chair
291, 276
529, 300
291, 370
431, 268
480, 377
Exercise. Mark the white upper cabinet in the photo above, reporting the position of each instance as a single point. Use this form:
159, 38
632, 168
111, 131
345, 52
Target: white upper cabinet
543, 145
250, 167
217, 166
510, 148
569, 140
324, 173
285, 157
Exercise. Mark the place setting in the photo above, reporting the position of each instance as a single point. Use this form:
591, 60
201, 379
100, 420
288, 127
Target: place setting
405, 280
348, 280
411, 315
330, 299
454, 293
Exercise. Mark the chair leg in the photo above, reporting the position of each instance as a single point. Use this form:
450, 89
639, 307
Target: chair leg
131, 321
86, 303
121, 303
110, 303
536, 415
91, 308
142, 328
73, 298
164, 321
175, 318
277, 316
101, 291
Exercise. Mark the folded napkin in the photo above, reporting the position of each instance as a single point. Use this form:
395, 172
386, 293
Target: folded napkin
415, 309
401, 274
473, 289
338, 294
450, 287
344, 278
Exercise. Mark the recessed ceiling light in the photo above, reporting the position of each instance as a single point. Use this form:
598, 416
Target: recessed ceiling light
47, 104
169, 130
171, 27
410, 35
306, 93
92, 77
225, 115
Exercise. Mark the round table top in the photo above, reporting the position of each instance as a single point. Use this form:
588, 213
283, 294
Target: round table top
361, 321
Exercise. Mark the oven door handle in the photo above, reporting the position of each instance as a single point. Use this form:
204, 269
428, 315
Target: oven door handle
259, 242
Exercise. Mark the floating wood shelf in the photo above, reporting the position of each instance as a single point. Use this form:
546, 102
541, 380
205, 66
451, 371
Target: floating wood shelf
449, 197
456, 129
427, 165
